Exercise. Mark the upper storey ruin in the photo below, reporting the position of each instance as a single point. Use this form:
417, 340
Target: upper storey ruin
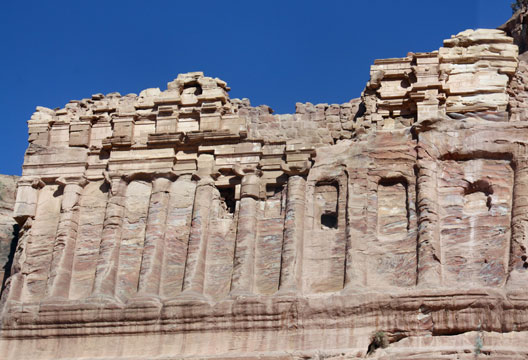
183, 223
470, 73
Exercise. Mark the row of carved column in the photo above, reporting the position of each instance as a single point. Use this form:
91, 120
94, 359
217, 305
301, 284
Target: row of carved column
106, 277
150, 283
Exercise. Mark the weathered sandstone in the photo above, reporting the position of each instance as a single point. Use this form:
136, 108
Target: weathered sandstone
8, 226
185, 224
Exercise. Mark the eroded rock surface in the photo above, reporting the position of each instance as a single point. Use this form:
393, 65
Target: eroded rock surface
8, 226
185, 224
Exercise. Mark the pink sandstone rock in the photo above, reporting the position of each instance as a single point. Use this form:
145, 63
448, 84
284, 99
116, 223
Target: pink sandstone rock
185, 224
8, 226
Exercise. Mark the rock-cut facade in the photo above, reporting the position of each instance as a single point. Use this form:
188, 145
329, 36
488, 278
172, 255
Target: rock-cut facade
182, 224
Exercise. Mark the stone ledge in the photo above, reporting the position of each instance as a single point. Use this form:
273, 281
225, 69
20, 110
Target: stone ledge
415, 311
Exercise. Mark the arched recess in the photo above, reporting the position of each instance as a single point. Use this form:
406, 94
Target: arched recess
326, 235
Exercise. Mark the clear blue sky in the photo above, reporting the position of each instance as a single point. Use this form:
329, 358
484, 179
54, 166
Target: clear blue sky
272, 52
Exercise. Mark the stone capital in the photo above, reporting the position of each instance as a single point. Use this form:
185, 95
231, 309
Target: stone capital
34, 182
205, 177
250, 182
520, 161
296, 167
206, 172
112, 176
243, 170
116, 181
520, 154
37, 183
72, 180
161, 184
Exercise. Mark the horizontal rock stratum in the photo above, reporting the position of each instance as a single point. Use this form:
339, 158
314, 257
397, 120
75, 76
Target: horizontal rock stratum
185, 224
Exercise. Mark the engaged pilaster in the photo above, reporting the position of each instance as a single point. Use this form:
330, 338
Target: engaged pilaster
193, 281
64, 247
24, 213
176, 235
243, 278
107, 263
429, 262
26, 198
518, 266
292, 248
154, 246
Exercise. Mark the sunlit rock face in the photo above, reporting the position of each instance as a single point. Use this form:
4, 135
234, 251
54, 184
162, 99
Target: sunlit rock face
8, 226
185, 224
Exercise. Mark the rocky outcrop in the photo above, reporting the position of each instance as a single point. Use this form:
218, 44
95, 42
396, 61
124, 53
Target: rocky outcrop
185, 224
516, 27
8, 226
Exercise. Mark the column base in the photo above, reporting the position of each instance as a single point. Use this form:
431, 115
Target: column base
237, 294
291, 292
144, 301
188, 297
104, 300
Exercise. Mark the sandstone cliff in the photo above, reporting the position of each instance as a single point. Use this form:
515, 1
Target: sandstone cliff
8, 227
185, 224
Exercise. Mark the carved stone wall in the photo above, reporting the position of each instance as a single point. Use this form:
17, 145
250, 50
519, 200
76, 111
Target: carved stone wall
8, 226
183, 224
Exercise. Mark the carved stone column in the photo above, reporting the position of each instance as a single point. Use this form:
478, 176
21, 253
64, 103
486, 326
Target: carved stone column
193, 280
176, 235
64, 247
429, 262
15, 283
151, 264
26, 198
518, 264
107, 263
293, 240
24, 213
243, 278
